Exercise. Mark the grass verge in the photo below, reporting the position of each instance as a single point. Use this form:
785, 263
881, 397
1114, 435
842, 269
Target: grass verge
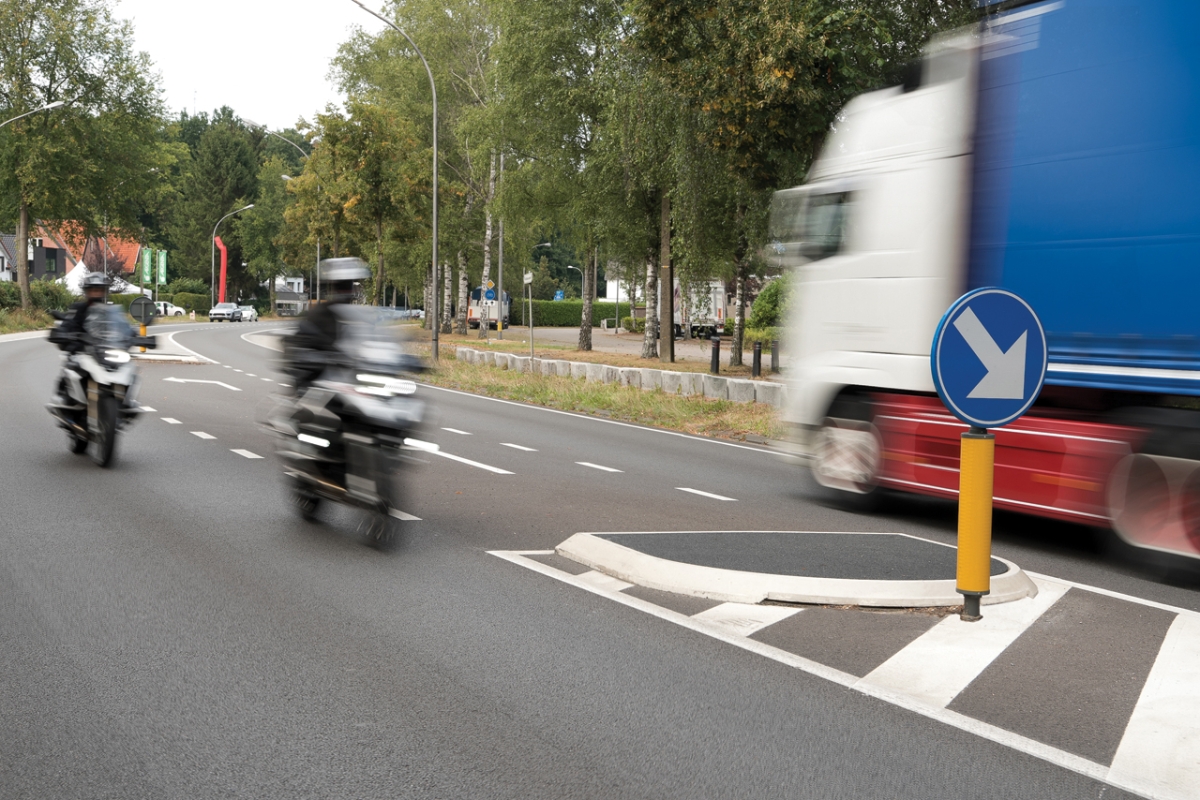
696, 415
14, 320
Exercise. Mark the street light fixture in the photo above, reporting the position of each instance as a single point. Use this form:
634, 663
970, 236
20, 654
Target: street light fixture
270, 132
212, 241
433, 92
577, 269
46, 107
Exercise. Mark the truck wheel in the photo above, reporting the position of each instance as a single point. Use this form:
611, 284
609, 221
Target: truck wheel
847, 457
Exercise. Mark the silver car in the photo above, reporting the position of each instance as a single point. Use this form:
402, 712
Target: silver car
229, 312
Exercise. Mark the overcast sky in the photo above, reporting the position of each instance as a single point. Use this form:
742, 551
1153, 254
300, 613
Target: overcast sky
266, 59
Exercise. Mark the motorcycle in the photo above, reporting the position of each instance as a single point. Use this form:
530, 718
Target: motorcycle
98, 383
346, 437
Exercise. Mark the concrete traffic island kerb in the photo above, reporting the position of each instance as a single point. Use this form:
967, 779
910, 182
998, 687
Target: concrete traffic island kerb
887, 570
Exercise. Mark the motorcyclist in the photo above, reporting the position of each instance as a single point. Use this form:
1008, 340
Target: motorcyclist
95, 289
313, 346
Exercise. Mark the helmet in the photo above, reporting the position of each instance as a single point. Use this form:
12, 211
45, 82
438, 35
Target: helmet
339, 276
95, 280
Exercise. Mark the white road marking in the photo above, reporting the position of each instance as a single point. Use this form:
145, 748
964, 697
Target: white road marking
398, 514
1159, 755
743, 619
171, 421
288, 385
203, 435
148, 409
246, 453
456, 430
237, 370
462, 460
251, 375
268, 380
518, 447
598, 466
706, 494
945, 659
195, 380
604, 582
226, 366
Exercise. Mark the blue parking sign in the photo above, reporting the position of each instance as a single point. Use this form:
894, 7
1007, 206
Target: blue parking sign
490, 294
989, 357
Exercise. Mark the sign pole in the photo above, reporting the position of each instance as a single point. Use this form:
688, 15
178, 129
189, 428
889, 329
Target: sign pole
975, 482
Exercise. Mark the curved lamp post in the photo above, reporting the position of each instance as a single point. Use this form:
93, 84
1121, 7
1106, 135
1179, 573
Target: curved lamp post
46, 107
212, 240
433, 91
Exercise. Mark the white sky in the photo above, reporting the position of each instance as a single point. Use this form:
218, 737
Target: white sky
265, 59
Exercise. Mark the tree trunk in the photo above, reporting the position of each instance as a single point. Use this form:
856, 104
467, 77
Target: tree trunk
650, 337
585, 322
739, 316
446, 286
666, 320
484, 315
23, 257
379, 278
464, 291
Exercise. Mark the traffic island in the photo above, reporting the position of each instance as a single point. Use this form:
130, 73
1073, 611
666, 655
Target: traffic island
888, 570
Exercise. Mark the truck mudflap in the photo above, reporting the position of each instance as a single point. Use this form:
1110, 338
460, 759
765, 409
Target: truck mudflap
1084, 472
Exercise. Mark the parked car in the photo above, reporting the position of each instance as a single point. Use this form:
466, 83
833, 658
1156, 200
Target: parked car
249, 313
228, 312
166, 309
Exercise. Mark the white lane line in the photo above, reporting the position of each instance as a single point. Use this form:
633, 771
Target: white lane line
268, 380
518, 447
171, 421
203, 435
288, 385
196, 380
706, 494
237, 370
251, 375
456, 430
605, 583
462, 460
398, 514
598, 466
743, 619
1159, 755
246, 453
148, 409
944, 660
226, 366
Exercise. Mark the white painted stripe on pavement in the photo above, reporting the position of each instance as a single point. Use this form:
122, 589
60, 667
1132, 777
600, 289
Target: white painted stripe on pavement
456, 430
519, 447
148, 409
462, 460
246, 453
743, 619
398, 514
203, 435
226, 366
268, 380
944, 660
604, 582
171, 421
598, 466
706, 494
251, 375
1159, 756
237, 370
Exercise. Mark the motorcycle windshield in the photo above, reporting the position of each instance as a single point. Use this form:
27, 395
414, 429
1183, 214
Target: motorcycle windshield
375, 346
106, 326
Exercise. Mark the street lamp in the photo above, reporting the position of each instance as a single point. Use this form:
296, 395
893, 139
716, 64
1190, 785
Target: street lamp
270, 132
577, 269
46, 107
433, 92
212, 241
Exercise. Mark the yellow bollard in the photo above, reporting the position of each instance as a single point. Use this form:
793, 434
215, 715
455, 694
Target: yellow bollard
143, 334
976, 468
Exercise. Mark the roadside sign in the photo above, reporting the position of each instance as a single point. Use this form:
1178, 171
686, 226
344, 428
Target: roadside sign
491, 284
142, 309
490, 294
162, 267
528, 277
558, 295
147, 264
989, 357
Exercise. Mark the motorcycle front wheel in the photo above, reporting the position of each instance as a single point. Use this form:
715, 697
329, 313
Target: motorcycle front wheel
104, 445
77, 443
382, 531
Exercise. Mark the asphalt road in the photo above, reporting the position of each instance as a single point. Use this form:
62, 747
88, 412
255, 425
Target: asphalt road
171, 629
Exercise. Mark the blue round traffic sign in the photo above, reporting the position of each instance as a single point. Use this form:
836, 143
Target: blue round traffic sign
989, 357
490, 294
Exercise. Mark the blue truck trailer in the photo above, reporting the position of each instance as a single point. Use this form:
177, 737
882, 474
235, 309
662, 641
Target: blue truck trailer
1054, 150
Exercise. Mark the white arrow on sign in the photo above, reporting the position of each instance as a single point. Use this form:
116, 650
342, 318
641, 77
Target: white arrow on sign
1005, 379
191, 380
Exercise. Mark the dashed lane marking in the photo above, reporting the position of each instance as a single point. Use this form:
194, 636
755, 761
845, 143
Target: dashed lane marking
268, 380
462, 460
203, 435
600, 467
706, 494
237, 370
226, 366
518, 447
456, 430
251, 375
398, 514
171, 421
246, 453
148, 409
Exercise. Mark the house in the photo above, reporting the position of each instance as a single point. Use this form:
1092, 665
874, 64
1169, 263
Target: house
8, 257
291, 297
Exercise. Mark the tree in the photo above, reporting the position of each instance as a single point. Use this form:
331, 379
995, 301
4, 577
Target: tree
260, 232
64, 163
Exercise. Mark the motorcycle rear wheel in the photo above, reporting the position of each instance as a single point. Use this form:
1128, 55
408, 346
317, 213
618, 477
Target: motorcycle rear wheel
306, 502
104, 445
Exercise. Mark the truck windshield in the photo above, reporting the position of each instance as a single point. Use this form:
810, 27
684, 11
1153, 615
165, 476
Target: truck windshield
809, 224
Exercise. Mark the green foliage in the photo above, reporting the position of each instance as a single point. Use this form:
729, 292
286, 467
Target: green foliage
123, 300
200, 303
771, 305
561, 313
633, 325
186, 285
49, 296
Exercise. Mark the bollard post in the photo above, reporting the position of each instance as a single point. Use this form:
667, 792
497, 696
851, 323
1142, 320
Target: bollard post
756, 364
143, 334
715, 366
976, 468
774, 355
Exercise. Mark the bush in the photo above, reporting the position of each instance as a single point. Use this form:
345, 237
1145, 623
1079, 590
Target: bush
189, 285
49, 296
770, 306
123, 300
190, 301
561, 313
10, 295
633, 325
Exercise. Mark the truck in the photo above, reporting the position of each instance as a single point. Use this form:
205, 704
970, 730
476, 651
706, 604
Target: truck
1054, 151
478, 306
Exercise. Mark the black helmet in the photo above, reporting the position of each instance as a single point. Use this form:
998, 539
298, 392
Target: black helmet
95, 280
339, 276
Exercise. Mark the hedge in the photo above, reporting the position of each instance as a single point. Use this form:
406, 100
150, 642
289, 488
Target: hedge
46, 295
200, 303
561, 313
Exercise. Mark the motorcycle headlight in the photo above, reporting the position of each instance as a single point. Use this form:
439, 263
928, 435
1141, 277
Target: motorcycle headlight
116, 356
384, 386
